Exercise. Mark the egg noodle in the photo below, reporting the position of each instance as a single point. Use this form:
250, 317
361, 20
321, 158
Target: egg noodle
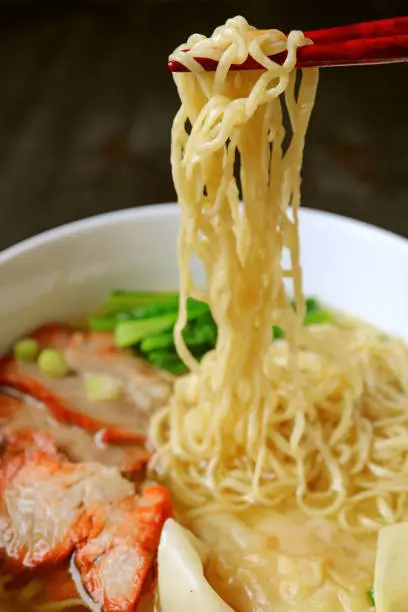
321, 417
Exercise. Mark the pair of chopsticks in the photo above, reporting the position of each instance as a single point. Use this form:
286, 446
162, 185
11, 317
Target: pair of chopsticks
372, 42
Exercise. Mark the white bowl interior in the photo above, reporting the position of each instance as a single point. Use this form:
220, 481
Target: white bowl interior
67, 272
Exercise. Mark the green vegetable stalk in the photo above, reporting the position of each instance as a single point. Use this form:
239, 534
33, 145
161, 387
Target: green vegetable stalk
145, 321
127, 300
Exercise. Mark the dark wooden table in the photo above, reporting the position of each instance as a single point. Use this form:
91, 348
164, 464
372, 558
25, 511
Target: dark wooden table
86, 107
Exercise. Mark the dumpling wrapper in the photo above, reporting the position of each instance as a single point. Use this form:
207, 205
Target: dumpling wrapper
391, 569
181, 580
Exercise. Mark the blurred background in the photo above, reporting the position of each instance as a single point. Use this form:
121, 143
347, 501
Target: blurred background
86, 105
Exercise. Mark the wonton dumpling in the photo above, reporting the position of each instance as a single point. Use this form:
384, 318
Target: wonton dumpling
391, 569
182, 585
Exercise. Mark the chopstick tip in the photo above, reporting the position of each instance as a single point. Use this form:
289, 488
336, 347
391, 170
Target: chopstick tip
175, 66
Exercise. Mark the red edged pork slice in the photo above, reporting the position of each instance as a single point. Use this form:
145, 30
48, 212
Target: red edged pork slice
50, 508
125, 419
145, 388
46, 502
53, 335
9, 407
19, 412
115, 564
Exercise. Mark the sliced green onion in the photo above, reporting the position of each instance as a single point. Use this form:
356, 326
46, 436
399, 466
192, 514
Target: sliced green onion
371, 598
53, 363
102, 387
26, 349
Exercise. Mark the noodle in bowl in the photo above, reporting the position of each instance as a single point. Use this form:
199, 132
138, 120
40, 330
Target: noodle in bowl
354, 251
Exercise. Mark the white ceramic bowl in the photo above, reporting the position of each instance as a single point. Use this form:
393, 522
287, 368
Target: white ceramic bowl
67, 271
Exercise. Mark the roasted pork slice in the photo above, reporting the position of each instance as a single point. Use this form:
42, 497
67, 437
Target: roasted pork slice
47, 503
18, 412
51, 508
53, 335
94, 352
114, 565
143, 389
9, 407
17, 449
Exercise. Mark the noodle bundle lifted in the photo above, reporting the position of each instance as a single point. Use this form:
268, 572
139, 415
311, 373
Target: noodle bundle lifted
218, 423
318, 420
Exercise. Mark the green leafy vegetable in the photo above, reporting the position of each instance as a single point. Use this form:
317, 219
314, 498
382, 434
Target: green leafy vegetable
164, 340
128, 333
314, 314
152, 310
311, 305
102, 323
127, 300
153, 319
169, 361
203, 330
371, 597
199, 331
145, 321
318, 316
277, 332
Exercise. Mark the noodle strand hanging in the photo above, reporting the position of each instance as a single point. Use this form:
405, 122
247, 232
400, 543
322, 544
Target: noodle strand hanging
317, 420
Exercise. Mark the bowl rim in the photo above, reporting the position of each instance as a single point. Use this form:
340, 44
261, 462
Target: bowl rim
169, 209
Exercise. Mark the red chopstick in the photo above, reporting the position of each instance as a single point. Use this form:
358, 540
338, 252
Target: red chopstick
373, 42
394, 26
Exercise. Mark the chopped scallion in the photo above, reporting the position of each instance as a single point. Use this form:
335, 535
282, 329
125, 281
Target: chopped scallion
53, 363
26, 349
102, 387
